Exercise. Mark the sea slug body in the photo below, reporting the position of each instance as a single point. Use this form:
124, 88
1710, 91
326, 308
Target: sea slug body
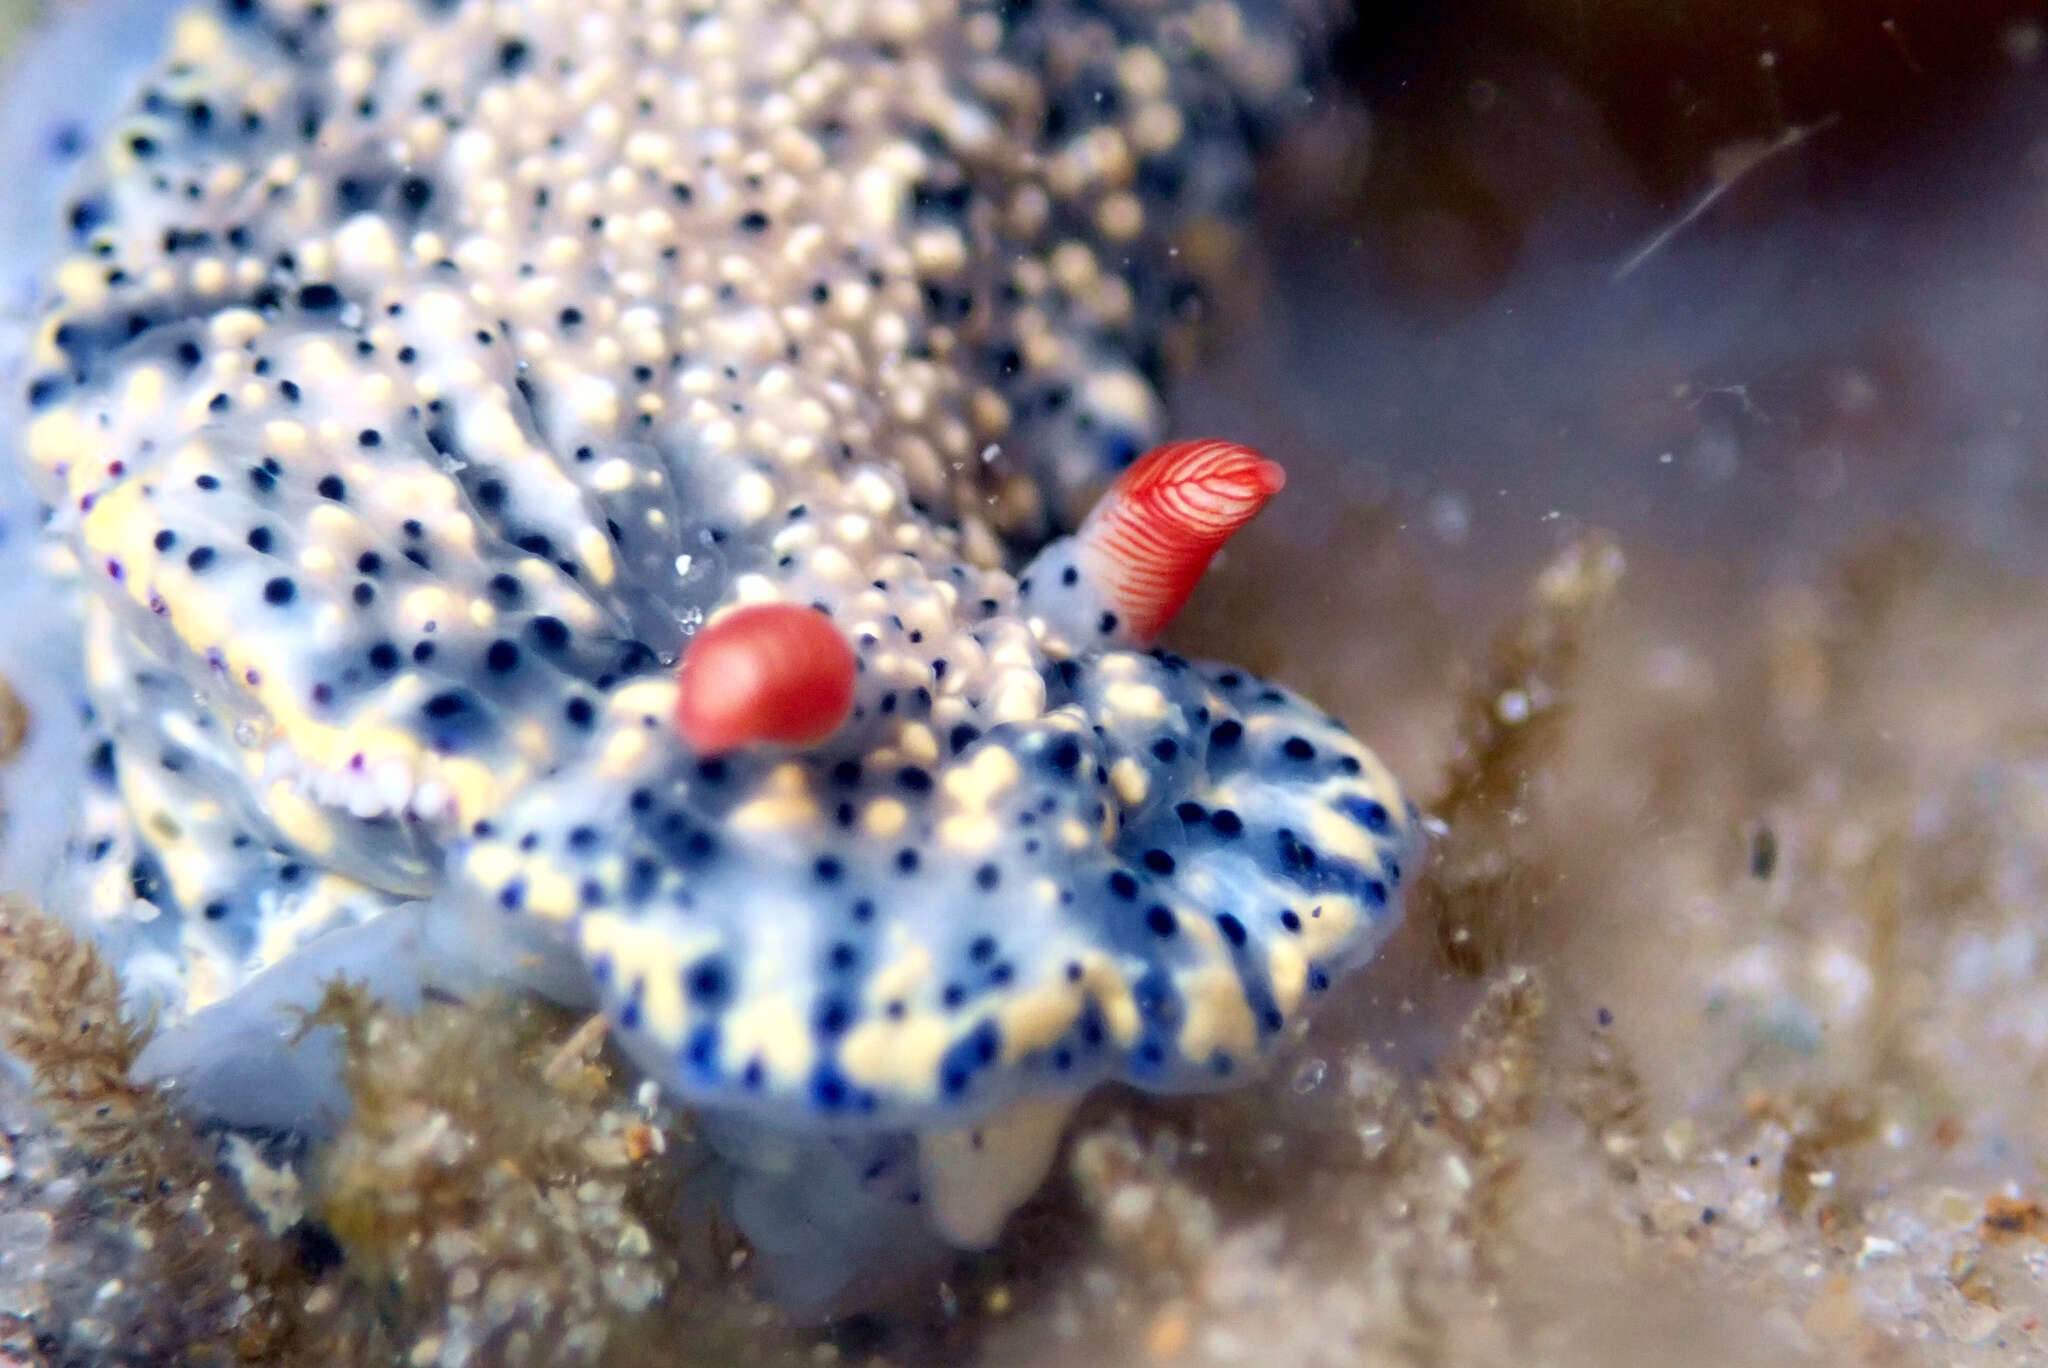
420, 381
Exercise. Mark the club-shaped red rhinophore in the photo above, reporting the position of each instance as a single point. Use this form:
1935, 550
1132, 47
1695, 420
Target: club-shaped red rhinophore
1152, 535
768, 672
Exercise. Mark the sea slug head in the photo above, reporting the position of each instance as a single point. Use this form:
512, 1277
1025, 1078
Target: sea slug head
814, 896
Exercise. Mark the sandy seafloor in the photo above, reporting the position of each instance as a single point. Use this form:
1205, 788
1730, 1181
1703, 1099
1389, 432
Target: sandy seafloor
1724, 1035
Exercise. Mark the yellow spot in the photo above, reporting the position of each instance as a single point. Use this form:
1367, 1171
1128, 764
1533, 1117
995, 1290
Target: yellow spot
1288, 969
1327, 925
549, 894
1218, 1017
1342, 837
622, 753
57, 438
885, 818
986, 778
774, 812
774, 1030
491, 866
1033, 1019
1100, 979
651, 953
1127, 777
649, 698
301, 821
901, 976
1127, 701
897, 1056
969, 832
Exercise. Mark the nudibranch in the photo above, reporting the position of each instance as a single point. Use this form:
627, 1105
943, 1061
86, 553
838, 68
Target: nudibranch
537, 480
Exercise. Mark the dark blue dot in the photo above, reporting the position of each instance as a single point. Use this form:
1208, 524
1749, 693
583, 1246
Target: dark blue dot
549, 632
828, 1089
702, 1051
707, 983
1232, 929
1367, 813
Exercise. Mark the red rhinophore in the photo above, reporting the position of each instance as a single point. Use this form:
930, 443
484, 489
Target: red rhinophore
769, 672
1153, 534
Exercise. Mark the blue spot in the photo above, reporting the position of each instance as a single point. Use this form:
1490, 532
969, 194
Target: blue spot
976, 1051
1091, 1026
708, 983
67, 140
1119, 449
1367, 813
834, 1016
455, 721
829, 1091
1154, 997
701, 1054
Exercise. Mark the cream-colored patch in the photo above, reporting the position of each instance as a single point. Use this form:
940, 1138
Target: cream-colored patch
975, 1177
